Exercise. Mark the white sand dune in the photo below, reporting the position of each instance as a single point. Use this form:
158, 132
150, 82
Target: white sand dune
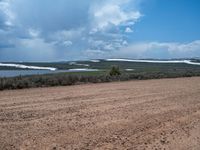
27, 67
156, 61
129, 69
83, 69
95, 61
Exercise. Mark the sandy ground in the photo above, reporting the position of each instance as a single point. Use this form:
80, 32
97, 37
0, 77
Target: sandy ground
138, 115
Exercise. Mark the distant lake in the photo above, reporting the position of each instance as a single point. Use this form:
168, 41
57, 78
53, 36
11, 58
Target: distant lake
14, 73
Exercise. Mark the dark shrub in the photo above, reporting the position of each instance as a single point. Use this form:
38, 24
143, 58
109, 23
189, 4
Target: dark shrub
115, 71
66, 79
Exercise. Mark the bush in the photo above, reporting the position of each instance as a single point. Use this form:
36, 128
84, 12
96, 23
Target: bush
64, 79
115, 71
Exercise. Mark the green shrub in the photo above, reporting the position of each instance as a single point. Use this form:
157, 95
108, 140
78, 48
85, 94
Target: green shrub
115, 71
65, 79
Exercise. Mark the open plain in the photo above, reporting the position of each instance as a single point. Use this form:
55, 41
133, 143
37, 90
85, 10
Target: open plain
138, 115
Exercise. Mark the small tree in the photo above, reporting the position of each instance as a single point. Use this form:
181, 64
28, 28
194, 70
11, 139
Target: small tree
115, 71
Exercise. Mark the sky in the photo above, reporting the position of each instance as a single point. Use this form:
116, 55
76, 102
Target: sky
47, 30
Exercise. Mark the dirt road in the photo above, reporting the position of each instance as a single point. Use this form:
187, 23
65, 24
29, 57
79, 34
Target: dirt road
153, 114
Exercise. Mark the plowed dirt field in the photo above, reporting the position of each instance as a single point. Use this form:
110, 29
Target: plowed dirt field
135, 115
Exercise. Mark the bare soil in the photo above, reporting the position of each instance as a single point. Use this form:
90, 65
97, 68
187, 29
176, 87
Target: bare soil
135, 115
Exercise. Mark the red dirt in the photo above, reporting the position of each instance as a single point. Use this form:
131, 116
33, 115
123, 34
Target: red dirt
152, 114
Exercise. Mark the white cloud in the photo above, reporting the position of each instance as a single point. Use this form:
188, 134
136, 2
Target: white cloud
96, 43
125, 43
33, 33
111, 13
160, 50
106, 46
67, 43
108, 19
9, 15
142, 50
69, 28
64, 27
67, 34
128, 30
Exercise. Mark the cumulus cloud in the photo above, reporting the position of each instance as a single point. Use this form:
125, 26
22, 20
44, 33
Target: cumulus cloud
70, 29
64, 26
111, 13
128, 30
160, 50
7, 17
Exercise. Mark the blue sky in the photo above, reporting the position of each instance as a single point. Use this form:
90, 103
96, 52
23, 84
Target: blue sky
169, 20
46, 30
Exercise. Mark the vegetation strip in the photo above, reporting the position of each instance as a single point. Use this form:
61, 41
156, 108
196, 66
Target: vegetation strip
64, 79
